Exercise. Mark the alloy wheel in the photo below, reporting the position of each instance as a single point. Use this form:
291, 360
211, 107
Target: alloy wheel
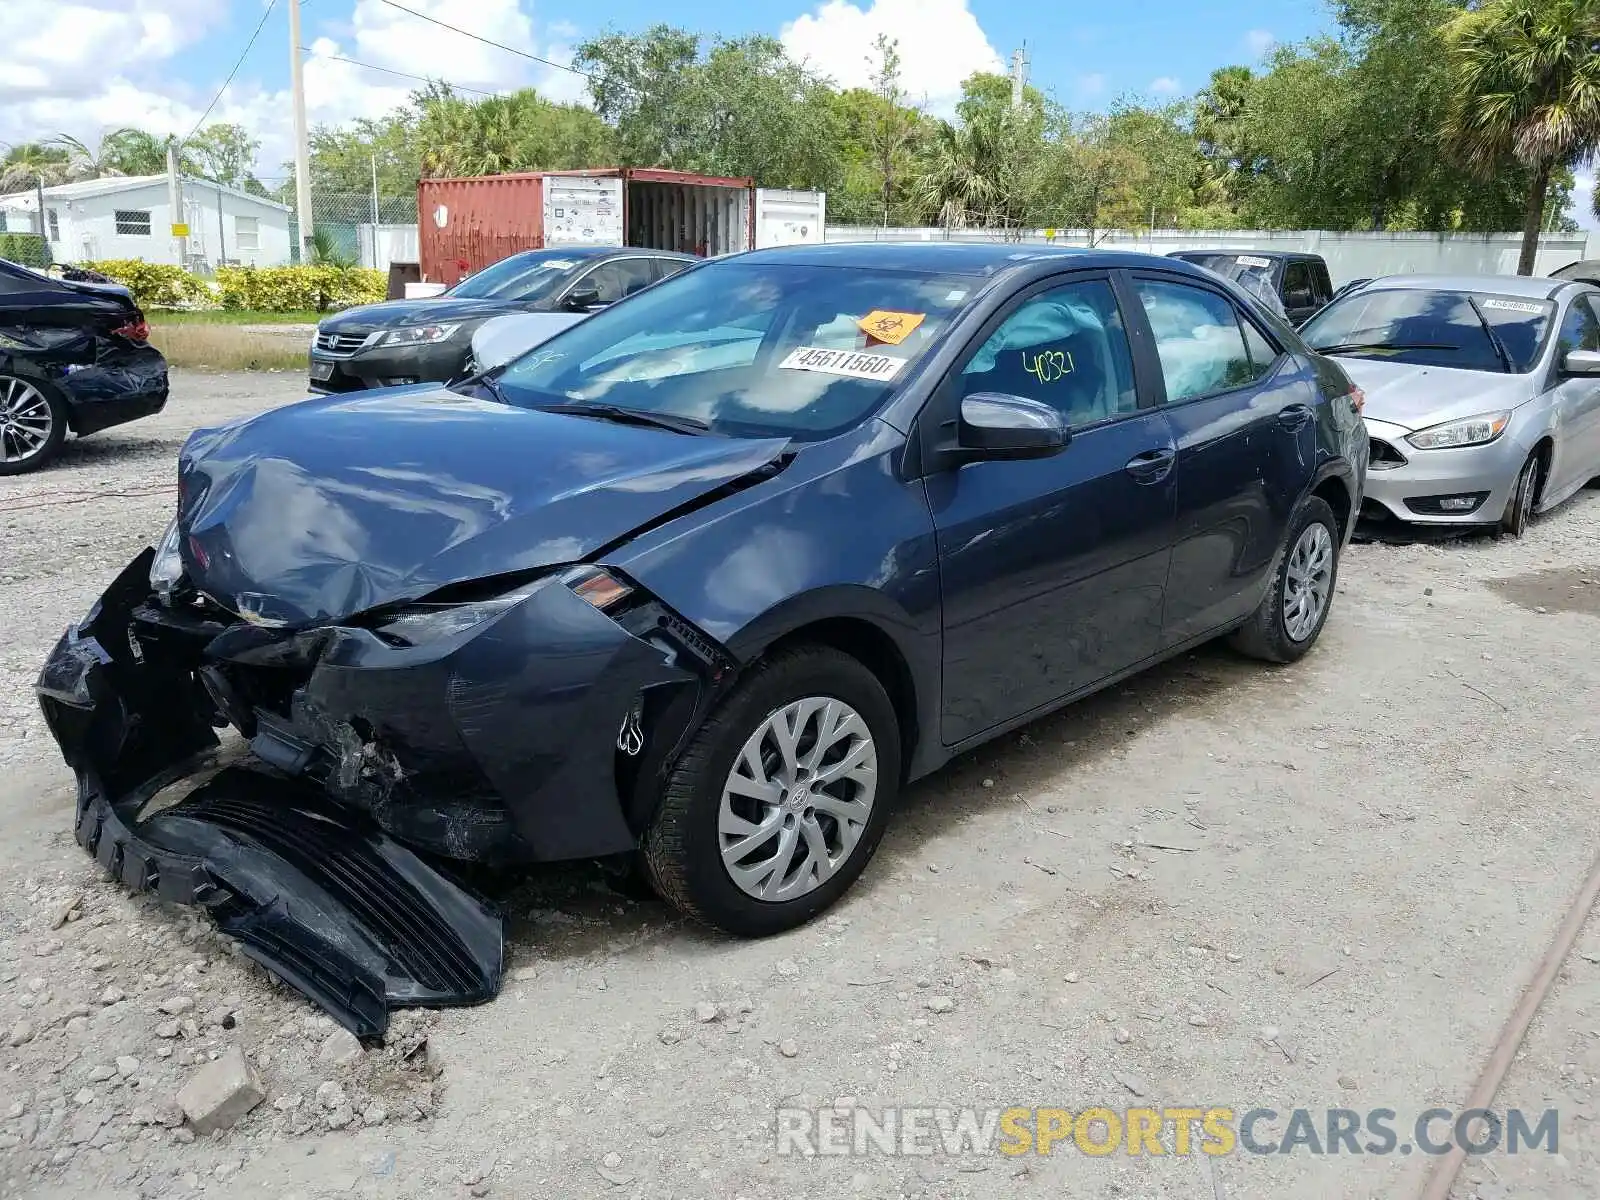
25, 420
797, 798
1308, 581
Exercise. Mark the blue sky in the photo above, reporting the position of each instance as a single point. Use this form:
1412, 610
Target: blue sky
86, 66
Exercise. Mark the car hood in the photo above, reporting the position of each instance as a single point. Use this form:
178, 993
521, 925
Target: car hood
1415, 397
326, 508
397, 314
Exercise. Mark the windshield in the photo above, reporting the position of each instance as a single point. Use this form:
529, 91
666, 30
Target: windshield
1250, 271
795, 350
1475, 331
531, 276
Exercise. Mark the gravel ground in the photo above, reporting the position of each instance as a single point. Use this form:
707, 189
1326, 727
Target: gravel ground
1217, 885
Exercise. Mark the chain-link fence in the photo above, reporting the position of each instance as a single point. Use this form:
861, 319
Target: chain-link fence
362, 230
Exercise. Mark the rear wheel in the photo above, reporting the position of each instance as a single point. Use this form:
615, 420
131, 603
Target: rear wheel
1519, 509
1291, 615
781, 799
33, 424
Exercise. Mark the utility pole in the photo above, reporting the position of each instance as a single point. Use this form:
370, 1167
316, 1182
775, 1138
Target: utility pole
302, 149
222, 232
1019, 74
44, 226
175, 202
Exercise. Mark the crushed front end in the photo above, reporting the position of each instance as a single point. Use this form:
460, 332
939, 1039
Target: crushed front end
492, 724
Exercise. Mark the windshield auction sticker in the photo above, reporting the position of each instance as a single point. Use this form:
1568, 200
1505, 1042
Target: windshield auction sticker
891, 328
843, 362
1250, 260
1521, 306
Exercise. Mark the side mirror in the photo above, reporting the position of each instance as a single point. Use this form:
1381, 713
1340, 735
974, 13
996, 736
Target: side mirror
1581, 362
997, 426
582, 300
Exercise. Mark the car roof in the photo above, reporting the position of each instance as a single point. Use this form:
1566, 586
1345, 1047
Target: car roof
1234, 252
593, 251
952, 258
1535, 287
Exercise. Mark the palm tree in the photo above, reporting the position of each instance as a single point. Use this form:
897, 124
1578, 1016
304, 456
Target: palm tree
96, 163
1527, 90
27, 162
134, 152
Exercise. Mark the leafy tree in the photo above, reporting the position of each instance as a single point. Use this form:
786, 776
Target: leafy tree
136, 152
27, 162
891, 127
222, 153
1527, 87
521, 131
90, 162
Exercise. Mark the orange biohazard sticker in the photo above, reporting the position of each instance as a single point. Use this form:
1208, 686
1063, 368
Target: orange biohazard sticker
890, 328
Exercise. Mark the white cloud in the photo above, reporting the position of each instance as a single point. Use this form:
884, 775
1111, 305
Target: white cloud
940, 44
1259, 41
58, 81
1165, 86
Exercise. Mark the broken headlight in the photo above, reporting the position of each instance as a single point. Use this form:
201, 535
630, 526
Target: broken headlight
167, 569
423, 622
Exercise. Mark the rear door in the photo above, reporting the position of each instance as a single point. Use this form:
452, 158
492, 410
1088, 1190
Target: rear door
789, 218
1052, 570
1245, 430
582, 210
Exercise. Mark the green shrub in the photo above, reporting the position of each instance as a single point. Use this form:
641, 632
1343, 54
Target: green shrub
29, 249
317, 287
155, 285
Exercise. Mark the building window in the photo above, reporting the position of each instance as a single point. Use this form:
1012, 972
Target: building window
134, 222
246, 233
55, 224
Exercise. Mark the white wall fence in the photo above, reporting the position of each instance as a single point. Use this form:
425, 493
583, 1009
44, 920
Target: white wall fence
381, 245
1349, 255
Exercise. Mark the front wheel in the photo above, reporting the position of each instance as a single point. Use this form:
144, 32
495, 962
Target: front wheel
1519, 509
1290, 617
782, 797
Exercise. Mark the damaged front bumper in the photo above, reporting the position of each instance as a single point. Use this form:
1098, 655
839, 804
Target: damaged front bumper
529, 739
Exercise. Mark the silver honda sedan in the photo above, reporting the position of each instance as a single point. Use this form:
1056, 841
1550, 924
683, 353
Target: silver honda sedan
1482, 393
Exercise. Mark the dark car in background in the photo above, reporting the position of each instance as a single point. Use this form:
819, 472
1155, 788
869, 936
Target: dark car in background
1296, 284
429, 340
699, 582
75, 357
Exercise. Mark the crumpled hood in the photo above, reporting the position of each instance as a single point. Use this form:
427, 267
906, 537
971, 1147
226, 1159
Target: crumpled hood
326, 508
1414, 397
397, 314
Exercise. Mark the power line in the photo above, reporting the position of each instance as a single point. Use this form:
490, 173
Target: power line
487, 41
403, 74
260, 25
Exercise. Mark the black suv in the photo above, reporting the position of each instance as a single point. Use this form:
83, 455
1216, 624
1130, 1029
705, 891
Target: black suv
1299, 282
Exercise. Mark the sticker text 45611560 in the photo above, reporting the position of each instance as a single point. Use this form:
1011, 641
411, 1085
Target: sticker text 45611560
853, 363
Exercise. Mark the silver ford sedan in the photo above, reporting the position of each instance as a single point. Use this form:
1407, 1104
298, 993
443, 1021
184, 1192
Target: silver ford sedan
1482, 393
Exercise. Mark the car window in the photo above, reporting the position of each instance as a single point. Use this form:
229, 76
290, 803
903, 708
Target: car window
1262, 352
1198, 339
668, 267
1475, 331
1064, 347
530, 275
1297, 285
1580, 330
762, 349
617, 280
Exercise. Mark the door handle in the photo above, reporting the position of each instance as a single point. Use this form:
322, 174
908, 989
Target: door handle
1152, 466
1295, 416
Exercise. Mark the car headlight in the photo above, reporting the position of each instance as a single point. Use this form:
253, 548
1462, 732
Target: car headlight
167, 569
419, 335
437, 621
1469, 431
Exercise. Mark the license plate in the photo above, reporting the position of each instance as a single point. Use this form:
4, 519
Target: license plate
321, 370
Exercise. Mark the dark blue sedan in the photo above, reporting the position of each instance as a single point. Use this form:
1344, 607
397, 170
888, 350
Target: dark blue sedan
703, 580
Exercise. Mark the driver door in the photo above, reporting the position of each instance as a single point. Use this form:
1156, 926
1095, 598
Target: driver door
1053, 570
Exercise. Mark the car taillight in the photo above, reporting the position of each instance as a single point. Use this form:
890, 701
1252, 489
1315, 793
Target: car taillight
137, 331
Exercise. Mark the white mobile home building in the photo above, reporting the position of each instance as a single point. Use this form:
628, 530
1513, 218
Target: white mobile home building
131, 217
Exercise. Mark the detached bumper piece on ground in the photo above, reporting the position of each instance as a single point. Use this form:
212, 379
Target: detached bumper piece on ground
313, 890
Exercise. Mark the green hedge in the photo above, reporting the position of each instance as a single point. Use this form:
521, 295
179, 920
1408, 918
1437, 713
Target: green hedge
299, 289
29, 249
155, 285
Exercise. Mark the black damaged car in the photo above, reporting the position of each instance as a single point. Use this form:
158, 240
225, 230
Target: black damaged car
75, 357
699, 583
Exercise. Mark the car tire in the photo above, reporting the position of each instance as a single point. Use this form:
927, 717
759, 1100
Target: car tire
31, 400
1519, 509
1279, 630
707, 809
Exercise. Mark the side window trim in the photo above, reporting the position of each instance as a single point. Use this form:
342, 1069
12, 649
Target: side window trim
1240, 314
